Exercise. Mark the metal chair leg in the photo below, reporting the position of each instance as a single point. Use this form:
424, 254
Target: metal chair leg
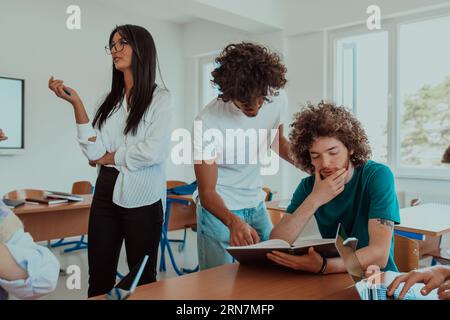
78, 245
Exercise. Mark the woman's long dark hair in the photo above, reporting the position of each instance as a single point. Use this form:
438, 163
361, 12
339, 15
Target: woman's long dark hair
144, 73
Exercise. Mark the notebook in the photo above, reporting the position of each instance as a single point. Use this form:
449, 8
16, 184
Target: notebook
63, 195
45, 200
375, 289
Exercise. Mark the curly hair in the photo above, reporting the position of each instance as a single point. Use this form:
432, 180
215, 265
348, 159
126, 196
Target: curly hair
248, 71
327, 120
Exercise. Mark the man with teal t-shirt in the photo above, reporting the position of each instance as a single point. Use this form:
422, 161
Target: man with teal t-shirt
344, 187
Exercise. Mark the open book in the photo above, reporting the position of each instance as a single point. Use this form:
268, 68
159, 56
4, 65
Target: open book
256, 254
45, 200
63, 195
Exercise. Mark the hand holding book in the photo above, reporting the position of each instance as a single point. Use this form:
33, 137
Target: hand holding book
311, 262
257, 253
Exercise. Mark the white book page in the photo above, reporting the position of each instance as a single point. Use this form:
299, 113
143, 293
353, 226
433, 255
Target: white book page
300, 243
274, 243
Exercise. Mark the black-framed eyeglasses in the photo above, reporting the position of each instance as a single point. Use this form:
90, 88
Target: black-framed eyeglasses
118, 46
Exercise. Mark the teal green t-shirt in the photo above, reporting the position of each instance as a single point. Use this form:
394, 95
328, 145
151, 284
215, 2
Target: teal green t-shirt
370, 194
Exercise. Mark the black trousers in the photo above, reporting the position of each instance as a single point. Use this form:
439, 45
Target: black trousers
110, 225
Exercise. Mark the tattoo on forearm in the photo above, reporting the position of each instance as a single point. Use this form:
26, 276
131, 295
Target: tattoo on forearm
385, 222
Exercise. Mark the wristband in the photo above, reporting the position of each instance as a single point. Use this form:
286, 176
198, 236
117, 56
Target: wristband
324, 265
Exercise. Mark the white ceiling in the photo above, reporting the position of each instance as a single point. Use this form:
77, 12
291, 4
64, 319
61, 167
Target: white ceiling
261, 16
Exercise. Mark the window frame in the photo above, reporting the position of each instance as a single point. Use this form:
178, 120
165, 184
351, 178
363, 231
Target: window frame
201, 61
392, 26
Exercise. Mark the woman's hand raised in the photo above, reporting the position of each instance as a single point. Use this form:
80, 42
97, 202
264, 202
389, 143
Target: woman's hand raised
63, 92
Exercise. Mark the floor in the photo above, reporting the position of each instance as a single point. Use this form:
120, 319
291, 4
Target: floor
186, 258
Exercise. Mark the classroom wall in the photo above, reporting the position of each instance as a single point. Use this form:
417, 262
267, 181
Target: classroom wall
35, 44
304, 16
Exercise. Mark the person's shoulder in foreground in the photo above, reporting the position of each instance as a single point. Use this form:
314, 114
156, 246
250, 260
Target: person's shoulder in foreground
27, 270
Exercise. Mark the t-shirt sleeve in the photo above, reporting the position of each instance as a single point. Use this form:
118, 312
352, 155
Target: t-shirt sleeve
284, 110
299, 196
382, 195
204, 141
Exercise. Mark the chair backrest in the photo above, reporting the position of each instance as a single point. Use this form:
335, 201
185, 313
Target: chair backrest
406, 253
416, 202
82, 187
24, 193
174, 183
275, 216
268, 193
181, 216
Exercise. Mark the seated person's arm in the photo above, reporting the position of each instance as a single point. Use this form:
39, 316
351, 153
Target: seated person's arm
9, 269
241, 233
40, 268
380, 239
291, 225
376, 253
27, 270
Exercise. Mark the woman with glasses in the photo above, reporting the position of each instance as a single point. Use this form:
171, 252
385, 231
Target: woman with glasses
128, 141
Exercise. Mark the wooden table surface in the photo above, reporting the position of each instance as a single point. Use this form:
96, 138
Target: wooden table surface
238, 282
427, 219
39, 208
48, 222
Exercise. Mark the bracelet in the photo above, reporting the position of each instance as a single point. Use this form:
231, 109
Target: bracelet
324, 265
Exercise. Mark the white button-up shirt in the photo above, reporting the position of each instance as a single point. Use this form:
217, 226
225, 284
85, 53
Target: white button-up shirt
140, 159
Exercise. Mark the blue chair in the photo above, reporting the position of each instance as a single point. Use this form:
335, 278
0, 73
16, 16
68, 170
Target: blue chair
175, 187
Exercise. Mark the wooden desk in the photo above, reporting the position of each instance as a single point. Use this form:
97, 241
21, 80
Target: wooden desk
276, 213
236, 282
275, 205
57, 221
427, 219
426, 223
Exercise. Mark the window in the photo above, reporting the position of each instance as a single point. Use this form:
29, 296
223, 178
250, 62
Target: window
424, 92
397, 83
207, 90
362, 85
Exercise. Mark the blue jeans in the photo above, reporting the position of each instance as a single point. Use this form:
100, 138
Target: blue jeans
213, 237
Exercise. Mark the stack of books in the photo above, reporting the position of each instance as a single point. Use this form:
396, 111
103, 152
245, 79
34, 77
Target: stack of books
54, 197
63, 195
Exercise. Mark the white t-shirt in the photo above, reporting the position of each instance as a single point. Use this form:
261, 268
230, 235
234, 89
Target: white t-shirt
240, 145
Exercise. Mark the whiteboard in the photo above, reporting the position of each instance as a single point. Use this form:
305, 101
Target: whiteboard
12, 113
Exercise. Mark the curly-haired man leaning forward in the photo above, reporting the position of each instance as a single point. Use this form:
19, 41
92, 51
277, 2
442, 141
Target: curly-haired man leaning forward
344, 187
230, 199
